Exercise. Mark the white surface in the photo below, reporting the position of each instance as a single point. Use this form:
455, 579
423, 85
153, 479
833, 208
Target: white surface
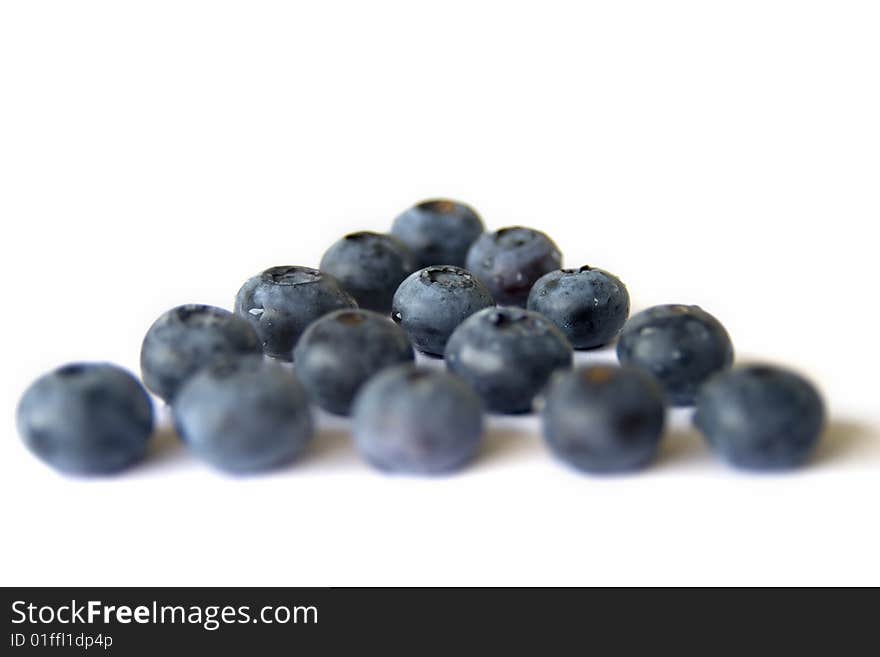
724, 154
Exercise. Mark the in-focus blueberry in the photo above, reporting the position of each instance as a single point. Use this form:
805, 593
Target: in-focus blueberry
417, 420
588, 305
186, 339
245, 414
86, 418
438, 232
507, 355
603, 418
510, 260
338, 354
432, 302
369, 266
680, 345
282, 301
760, 417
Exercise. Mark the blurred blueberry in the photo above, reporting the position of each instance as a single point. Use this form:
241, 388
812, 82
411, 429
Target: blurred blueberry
369, 266
438, 232
760, 417
246, 414
417, 420
187, 338
338, 354
510, 260
604, 419
86, 418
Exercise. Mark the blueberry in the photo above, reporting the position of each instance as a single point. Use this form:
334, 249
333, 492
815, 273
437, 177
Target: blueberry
416, 420
369, 266
588, 305
244, 414
86, 418
282, 301
510, 260
507, 354
338, 354
433, 301
438, 232
680, 345
760, 417
604, 419
186, 339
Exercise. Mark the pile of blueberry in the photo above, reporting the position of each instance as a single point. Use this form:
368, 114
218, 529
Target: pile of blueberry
497, 307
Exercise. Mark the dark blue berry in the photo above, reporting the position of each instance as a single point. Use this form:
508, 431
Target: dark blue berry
680, 345
604, 419
510, 260
438, 232
588, 305
186, 339
246, 414
338, 354
417, 420
760, 417
369, 266
282, 301
433, 301
86, 418
507, 355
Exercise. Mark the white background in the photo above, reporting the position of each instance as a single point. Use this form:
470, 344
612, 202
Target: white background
725, 154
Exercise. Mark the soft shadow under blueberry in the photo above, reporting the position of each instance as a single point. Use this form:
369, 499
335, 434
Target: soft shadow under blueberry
681, 445
604, 355
508, 444
165, 447
845, 440
331, 444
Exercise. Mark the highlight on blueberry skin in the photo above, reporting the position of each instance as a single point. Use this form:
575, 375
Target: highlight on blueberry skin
432, 302
509, 261
244, 415
369, 266
417, 420
282, 301
589, 305
507, 355
187, 338
86, 419
682, 346
341, 351
604, 419
438, 231
761, 417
